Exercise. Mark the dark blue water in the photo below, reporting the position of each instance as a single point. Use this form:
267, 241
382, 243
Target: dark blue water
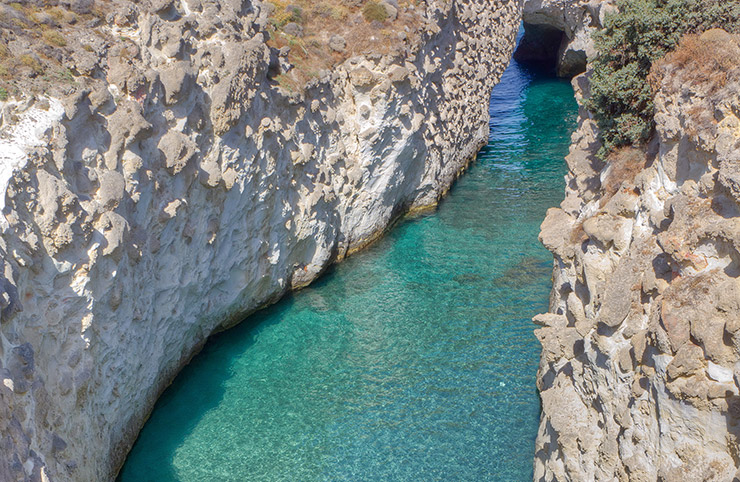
411, 361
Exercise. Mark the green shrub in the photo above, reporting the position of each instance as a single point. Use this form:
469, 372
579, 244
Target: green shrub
642, 32
65, 75
374, 10
3, 94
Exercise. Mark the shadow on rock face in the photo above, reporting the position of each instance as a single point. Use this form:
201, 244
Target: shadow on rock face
540, 46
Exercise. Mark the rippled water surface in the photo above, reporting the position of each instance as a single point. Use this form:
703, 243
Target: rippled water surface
411, 361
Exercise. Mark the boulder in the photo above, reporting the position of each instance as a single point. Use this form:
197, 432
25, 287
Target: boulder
293, 29
337, 43
177, 150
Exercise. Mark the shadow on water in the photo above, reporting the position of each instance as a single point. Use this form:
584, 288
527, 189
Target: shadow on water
208, 372
413, 360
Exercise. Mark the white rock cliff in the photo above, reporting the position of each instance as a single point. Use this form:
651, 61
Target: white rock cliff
639, 375
190, 190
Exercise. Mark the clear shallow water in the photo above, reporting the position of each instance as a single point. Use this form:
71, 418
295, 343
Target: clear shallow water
411, 361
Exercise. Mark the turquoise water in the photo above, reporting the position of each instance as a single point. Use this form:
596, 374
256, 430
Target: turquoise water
411, 361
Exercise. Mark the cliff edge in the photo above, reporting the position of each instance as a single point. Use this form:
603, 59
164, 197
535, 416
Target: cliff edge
640, 365
174, 183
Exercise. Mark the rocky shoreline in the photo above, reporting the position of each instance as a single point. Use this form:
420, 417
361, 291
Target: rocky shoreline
187, 188
638, 376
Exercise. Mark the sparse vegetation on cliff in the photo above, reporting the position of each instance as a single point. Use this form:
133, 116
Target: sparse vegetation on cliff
703, 67
374, 11
709, 60
625, 164
315, 36
39, 40
642, 32
42, 42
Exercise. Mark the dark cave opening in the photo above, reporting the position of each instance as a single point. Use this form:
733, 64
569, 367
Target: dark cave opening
549, 48
540, 46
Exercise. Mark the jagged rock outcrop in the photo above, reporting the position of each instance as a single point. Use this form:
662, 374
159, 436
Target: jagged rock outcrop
186, 189
640, 369
557, 33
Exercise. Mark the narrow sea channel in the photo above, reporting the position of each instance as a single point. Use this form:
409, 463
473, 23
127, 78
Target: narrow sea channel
411, 361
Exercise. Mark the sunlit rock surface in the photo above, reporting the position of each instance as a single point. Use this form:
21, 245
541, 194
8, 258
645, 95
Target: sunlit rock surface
641, 347
188, 189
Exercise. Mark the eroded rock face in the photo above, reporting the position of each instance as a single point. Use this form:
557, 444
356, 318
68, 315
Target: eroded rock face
639, 370
558, 33
188, 189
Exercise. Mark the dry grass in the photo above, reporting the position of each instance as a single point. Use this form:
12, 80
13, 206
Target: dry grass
310, 53
31, 63
285, 13
19, 23
374, 11
36, 39
62, 15
708, 60
54, 38
326, 10
705, 64
624, 165
48, 28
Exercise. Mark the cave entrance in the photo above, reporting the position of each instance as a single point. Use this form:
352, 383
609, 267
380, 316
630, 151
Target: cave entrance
549, 48
540, 46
